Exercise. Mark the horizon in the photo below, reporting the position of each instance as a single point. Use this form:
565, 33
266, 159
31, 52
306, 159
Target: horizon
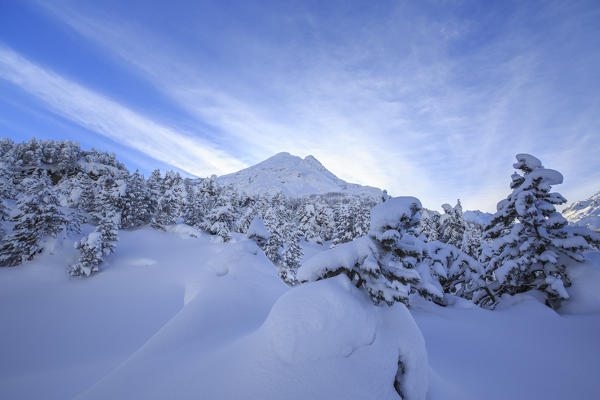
429, 100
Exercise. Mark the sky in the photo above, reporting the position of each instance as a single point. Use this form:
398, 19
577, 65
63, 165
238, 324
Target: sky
425, 98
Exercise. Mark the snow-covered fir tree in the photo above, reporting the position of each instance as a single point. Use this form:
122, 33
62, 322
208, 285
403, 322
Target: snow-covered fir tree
430, 224
390, 263
136, 210
452, 225
170, 200
38, 217
530, 238
219, 219
97, 245
292, 253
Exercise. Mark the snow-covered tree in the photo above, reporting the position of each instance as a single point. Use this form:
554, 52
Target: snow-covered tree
530, 238
390, 263
38, 217
170, 200
97, 245
430, 225
292, 253
273, 247
136, 203
219, 219
452, 225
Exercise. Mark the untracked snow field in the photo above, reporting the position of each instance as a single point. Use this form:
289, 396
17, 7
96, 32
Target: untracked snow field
176, 315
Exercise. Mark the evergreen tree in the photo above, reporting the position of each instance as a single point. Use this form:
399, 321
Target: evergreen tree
169, 202
97, 245
390, 263
219, 219
452, 225
530, 237
290, 259
38, 217
430, 225
136, 203
343, 230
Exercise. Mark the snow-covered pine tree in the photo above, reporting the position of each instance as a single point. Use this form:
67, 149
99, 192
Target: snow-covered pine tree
136, 203
7, 190
219, 219
3, 217
3, 210
361, 209
169, 201
530, 238
430, 225
306, 215
273, 247
86, 201
38, 217
292, 253
97, 245
343, 229
246, 214
452, 225
193, 211
390, 263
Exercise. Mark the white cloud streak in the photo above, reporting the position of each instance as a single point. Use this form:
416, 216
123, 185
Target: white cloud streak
113, 120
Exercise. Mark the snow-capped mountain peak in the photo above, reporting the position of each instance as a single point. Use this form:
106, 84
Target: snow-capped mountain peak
294, 176
585, 212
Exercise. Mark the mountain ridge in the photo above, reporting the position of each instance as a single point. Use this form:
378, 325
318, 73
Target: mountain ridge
295, 177
585, 212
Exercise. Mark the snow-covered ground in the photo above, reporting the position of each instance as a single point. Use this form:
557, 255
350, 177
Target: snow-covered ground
177, 316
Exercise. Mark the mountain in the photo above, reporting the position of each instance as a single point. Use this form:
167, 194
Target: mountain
585, 212
295, 177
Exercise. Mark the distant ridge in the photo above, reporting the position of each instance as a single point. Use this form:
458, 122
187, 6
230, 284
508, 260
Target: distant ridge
585, 212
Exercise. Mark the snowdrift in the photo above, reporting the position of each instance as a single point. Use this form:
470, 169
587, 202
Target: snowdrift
175, 315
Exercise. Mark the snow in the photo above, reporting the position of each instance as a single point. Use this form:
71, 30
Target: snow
388, 214
257, 229
548, 176
346, 254
295, 177
175, 315
527, 160
520, 351
175, 318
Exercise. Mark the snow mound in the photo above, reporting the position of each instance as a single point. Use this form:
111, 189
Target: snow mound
295, 177
257, 229
584, 294
396, 210
320, 321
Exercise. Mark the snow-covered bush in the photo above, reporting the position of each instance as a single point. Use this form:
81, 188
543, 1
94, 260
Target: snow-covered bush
531, 241
258, 232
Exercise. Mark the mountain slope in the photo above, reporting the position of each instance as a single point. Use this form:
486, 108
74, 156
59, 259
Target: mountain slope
585, 212
294, 177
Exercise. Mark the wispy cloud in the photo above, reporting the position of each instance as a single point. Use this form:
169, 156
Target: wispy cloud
113, 120
433, 107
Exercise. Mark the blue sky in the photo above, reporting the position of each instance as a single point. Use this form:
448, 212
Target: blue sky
431, 99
